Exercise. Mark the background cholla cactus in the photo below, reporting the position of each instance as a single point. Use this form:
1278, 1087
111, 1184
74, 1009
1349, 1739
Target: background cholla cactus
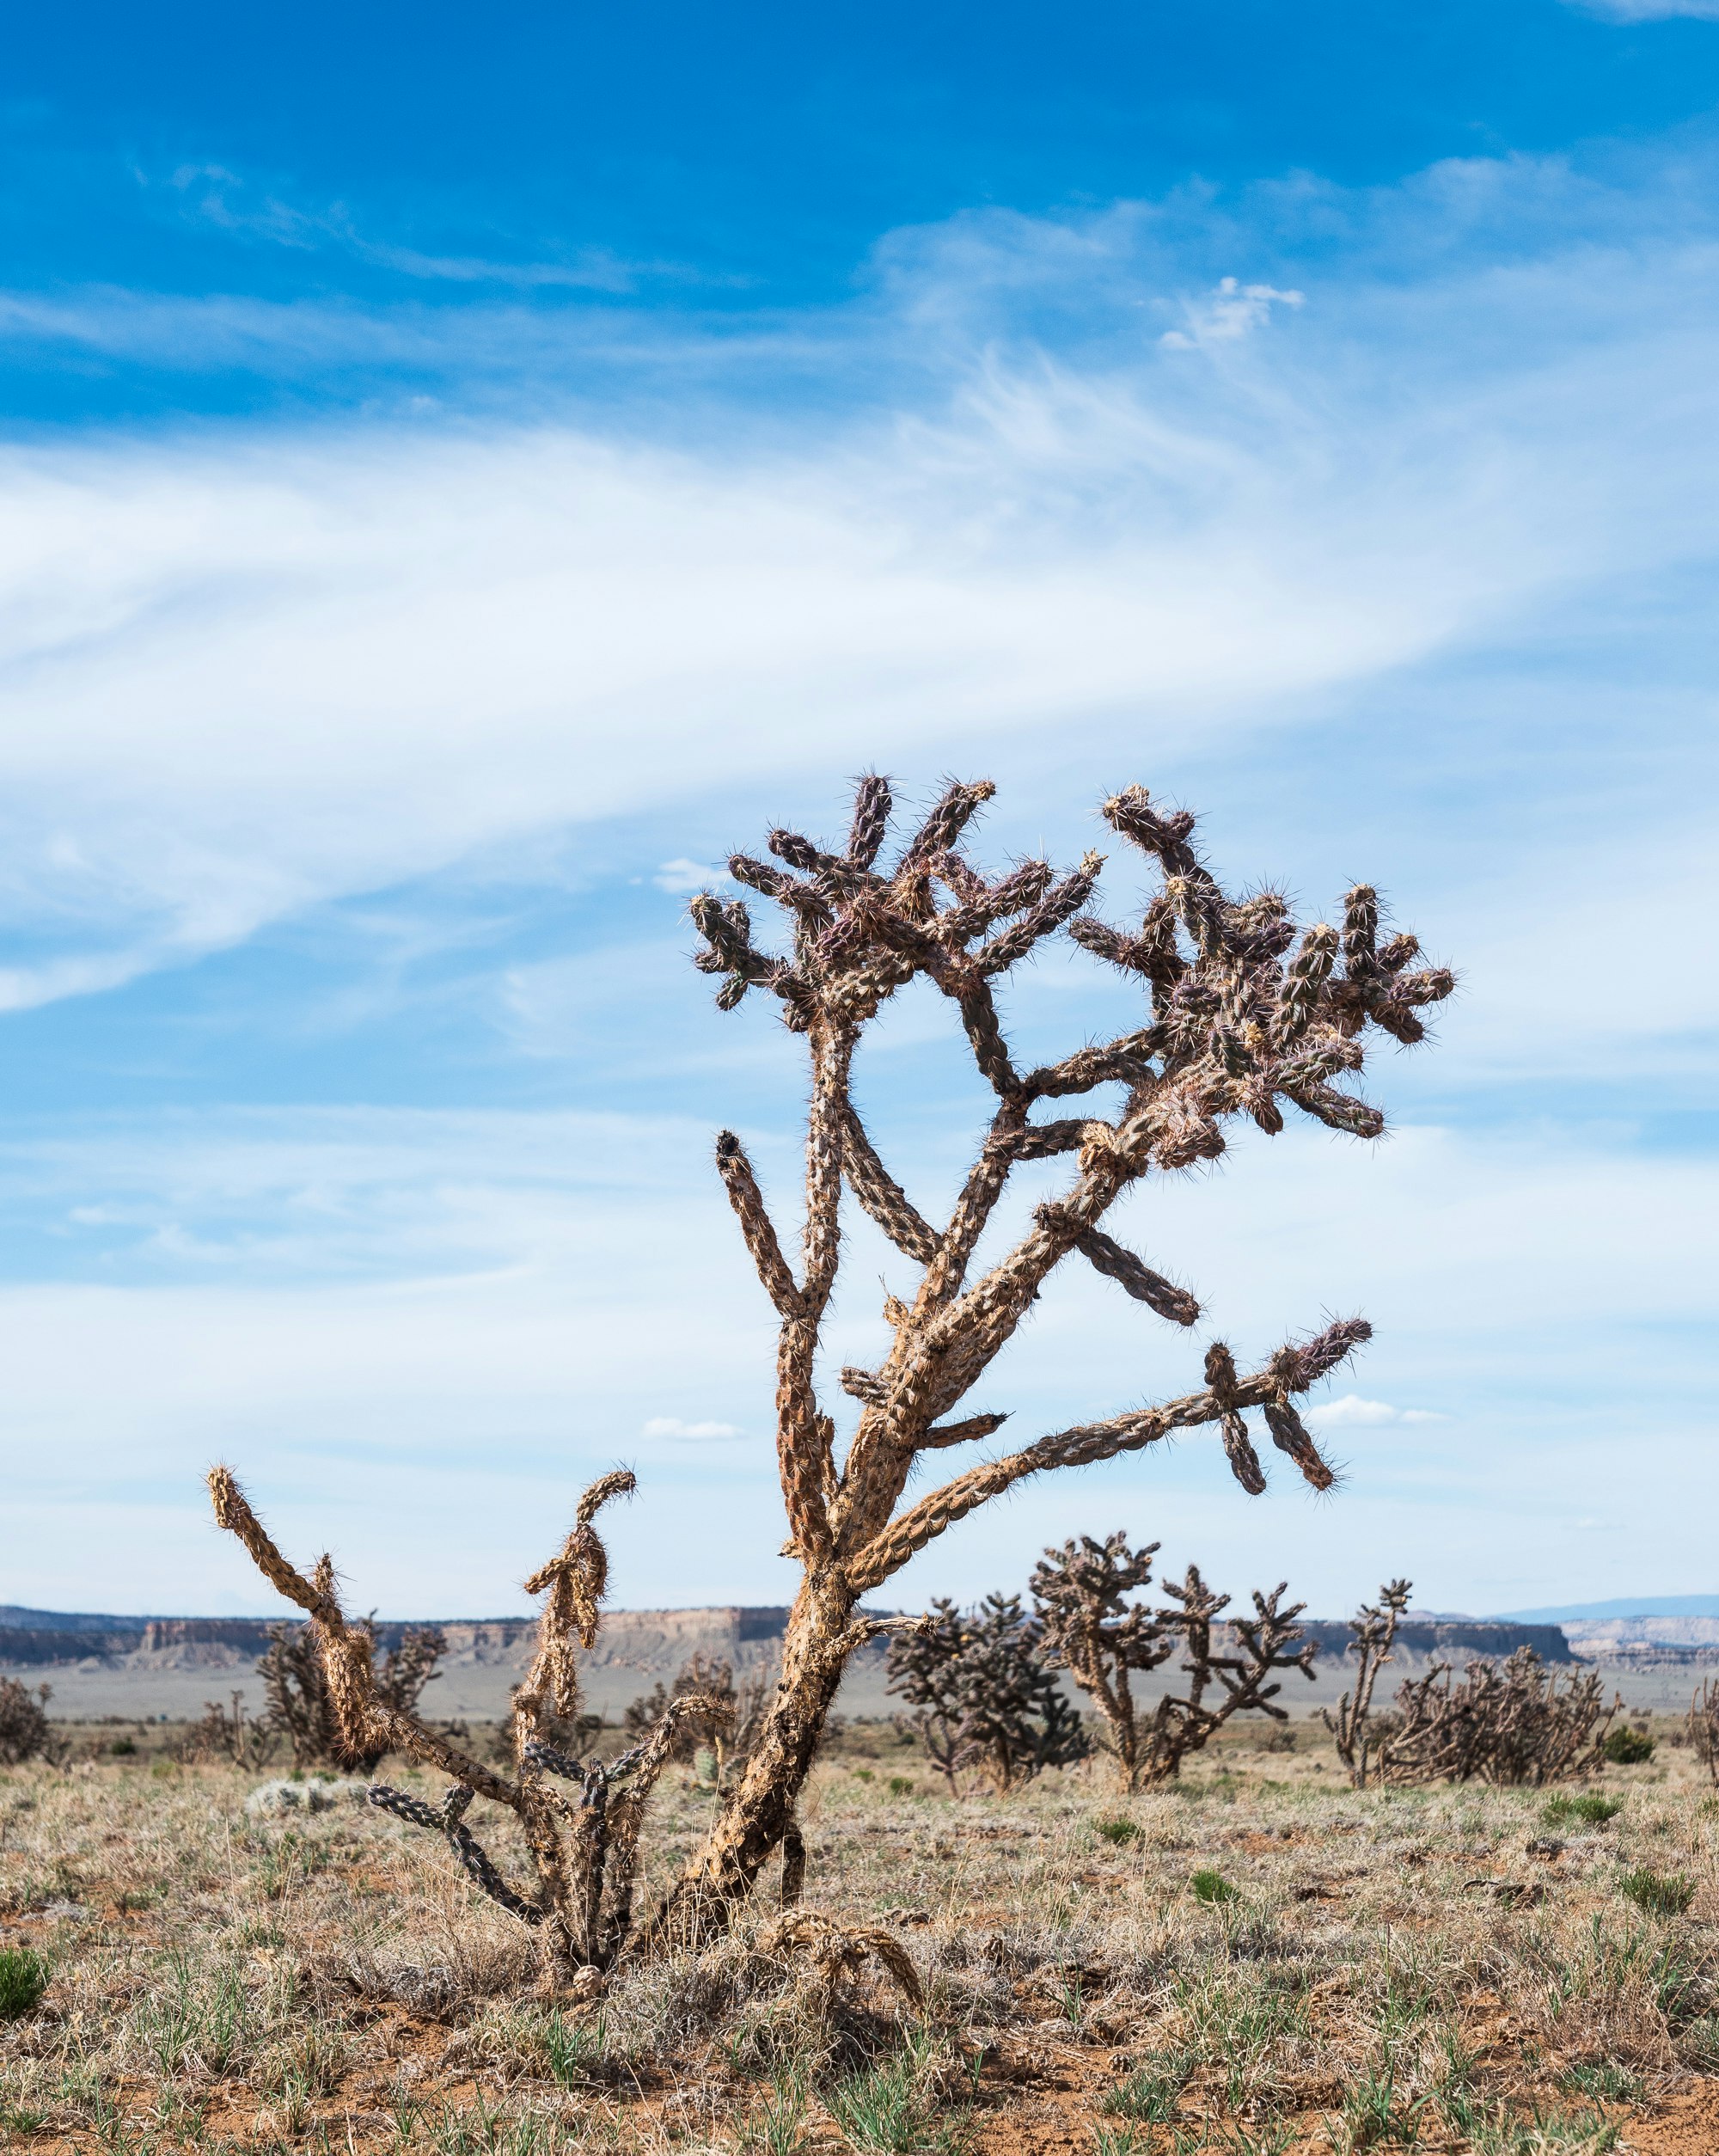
1079, 1595
1358, 1736
301, 1704
726, 1726
1229, 1669
1244, 1015
988, 1697
584, 1847
24, 1730
1517, 1722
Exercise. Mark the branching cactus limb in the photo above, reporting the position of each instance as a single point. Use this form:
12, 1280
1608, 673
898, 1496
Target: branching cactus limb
1360, 1740
1079, 1595
584, 1846
1244, 1013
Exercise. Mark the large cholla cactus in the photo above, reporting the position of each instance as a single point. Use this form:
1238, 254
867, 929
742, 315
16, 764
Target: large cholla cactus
1245, 1016
584, 1848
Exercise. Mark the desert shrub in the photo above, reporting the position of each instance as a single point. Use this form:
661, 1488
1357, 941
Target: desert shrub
25, 1732
988, 1700
23, 1980
1702, 1730
228, 1733
1626, 1746
1660, 1893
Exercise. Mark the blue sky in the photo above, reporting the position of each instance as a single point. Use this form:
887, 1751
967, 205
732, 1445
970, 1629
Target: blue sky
459, 482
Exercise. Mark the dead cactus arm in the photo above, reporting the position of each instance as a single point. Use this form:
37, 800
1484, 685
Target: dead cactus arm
345, 1648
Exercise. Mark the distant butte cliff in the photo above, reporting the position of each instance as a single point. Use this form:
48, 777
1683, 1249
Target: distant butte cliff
653, 1642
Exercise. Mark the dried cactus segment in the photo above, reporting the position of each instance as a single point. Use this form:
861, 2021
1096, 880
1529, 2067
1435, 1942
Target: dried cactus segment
873, 804
1137, 1278
1317, 1358
1290, 1435
838, 1950
1243, 1459
956, 808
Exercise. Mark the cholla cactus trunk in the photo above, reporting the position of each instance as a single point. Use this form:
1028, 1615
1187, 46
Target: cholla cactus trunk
1241, 1016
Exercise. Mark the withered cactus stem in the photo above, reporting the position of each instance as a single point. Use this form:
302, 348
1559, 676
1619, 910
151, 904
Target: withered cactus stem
1235, 1025
584, 1850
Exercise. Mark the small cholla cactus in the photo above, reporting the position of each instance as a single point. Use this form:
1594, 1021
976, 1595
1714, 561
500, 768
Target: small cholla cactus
1080, 1594
1358, 1736
1245, 1016
584, 1847
1220, 1683
987, 1696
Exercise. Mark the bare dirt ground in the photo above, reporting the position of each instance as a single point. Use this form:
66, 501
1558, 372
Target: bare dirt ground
1257, 1961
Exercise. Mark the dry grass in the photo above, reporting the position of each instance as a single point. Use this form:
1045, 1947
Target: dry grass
1387, 1970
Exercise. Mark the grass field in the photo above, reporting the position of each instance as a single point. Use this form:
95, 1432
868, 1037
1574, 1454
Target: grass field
1257, 1960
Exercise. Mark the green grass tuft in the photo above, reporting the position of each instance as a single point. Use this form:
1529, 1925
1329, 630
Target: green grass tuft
23, 1979
1592, 1809
1660, 1893
1118, 1830
1150, 2094
1212, 1886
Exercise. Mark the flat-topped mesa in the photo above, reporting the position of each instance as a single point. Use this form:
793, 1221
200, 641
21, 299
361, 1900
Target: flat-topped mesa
1246, 1015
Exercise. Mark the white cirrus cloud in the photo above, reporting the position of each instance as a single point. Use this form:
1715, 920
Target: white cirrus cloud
1230, 311
254, 669
672, 1426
